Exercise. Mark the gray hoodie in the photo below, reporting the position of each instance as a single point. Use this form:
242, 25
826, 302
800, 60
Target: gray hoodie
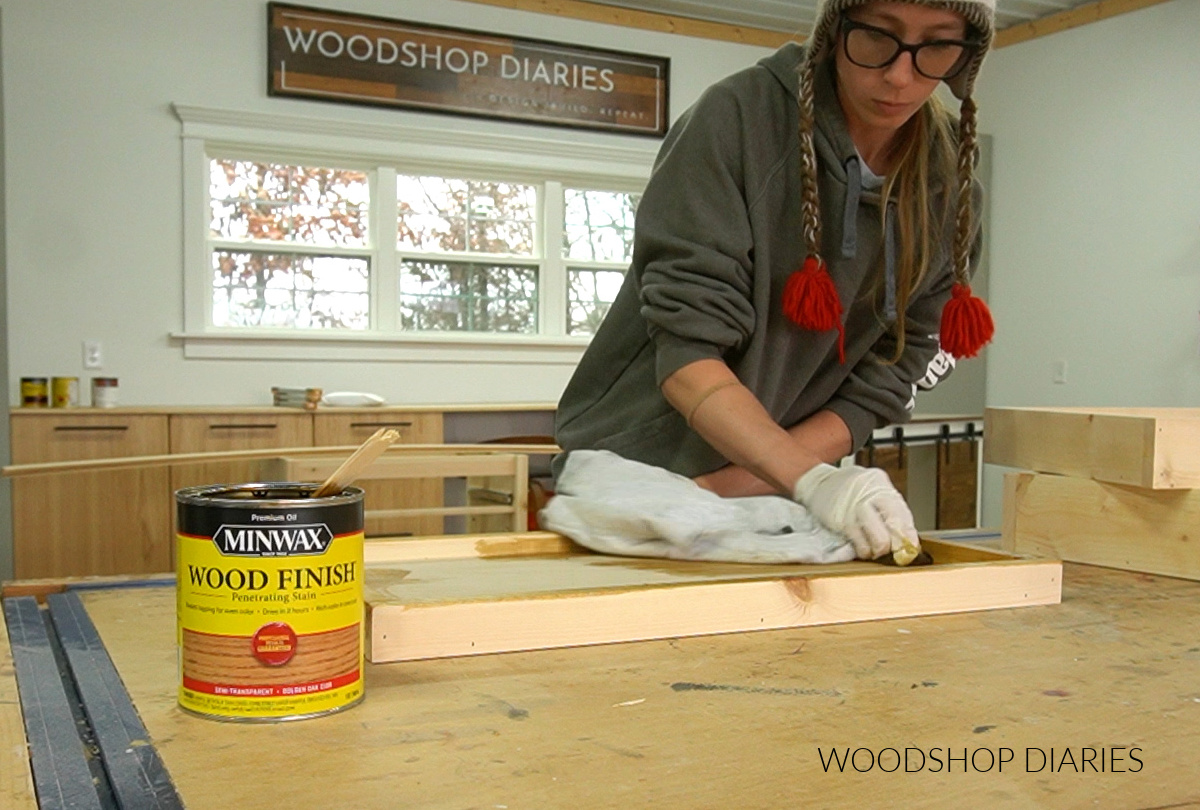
718, 233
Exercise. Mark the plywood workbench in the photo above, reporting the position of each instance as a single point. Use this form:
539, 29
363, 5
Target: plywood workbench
720, 721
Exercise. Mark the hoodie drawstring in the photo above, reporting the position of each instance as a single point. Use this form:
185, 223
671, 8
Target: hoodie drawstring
850, 213
854, 189
889, 263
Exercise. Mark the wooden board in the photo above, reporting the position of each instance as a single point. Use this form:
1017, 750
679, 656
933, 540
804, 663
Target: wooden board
16, 780
435, 607
1157, 448
737, 720
1095, 522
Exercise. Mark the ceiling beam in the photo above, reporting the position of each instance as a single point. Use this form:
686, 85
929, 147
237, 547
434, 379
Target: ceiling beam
748, 35
648, 20
1073, 18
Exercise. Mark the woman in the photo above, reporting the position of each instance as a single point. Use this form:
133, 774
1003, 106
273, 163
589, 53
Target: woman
721, 361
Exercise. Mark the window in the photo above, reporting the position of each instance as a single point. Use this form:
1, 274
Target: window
291, 248
460, 244
321, 239
598, 246
272, 230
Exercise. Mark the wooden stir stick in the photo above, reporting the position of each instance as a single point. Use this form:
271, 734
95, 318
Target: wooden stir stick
359, 460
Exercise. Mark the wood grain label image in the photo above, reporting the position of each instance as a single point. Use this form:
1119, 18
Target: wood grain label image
270, 605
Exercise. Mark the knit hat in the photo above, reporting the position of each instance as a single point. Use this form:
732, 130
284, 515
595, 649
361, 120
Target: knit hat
810, 298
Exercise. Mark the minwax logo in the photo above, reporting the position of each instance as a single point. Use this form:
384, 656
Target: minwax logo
261, 541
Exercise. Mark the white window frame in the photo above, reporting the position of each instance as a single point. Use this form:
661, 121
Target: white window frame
384, 150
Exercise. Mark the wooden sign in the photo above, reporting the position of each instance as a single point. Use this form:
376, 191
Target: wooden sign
354, 58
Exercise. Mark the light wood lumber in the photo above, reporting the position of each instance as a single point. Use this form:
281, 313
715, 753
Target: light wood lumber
443, 606
172, 459
1157, 448
16, 778
453, 547
1071, 18
1081, 520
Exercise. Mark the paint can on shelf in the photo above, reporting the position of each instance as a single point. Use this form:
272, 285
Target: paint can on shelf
64, 392
104, 392
35, 392
270, 604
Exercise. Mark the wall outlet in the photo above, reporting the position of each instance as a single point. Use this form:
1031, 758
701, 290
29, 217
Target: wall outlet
92, 356
1058, 372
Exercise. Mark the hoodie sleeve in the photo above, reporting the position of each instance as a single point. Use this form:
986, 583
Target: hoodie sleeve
878, 394
693, 254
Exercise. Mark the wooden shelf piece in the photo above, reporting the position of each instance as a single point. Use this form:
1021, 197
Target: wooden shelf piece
1156, 448
1080, 520
446, 605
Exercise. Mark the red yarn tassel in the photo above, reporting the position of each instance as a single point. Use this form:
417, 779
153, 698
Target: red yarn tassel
966, 323
811, 301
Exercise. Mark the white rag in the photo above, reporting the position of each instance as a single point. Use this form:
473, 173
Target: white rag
616, 506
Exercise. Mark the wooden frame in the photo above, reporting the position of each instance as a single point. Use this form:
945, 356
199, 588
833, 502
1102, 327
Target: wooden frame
453, 597
1156, 448
512, 466
1081, 520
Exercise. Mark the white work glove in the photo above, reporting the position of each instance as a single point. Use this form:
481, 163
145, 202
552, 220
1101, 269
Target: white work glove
862, 504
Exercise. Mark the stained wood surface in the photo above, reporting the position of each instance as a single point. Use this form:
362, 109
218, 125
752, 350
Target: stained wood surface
735, 720
1126, 527
438, 606
16, 780
1158, 448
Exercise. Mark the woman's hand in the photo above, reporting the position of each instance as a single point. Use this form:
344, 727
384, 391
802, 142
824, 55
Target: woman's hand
861, 503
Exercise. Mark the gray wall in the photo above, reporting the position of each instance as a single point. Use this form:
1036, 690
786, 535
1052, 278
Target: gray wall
6, 551
95, 225
1095, 222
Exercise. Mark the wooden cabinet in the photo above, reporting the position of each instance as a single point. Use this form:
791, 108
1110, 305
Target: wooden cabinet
120, 522
76, 524
334, 429
219, 433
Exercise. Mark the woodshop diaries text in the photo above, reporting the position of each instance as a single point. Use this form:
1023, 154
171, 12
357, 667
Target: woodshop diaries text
410, 54
1112, 759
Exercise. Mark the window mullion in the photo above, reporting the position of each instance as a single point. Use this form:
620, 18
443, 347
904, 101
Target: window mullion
552, 303
197, 251
385, 271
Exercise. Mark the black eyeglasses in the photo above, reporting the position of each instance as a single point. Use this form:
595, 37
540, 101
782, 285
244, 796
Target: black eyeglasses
871, 47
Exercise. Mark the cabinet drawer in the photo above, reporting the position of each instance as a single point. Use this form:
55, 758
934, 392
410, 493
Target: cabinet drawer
86, 436
354, 428
195, 433
239, 431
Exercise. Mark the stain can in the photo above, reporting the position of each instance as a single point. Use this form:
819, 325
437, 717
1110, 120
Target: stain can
270, 604
64, 392
35, 392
